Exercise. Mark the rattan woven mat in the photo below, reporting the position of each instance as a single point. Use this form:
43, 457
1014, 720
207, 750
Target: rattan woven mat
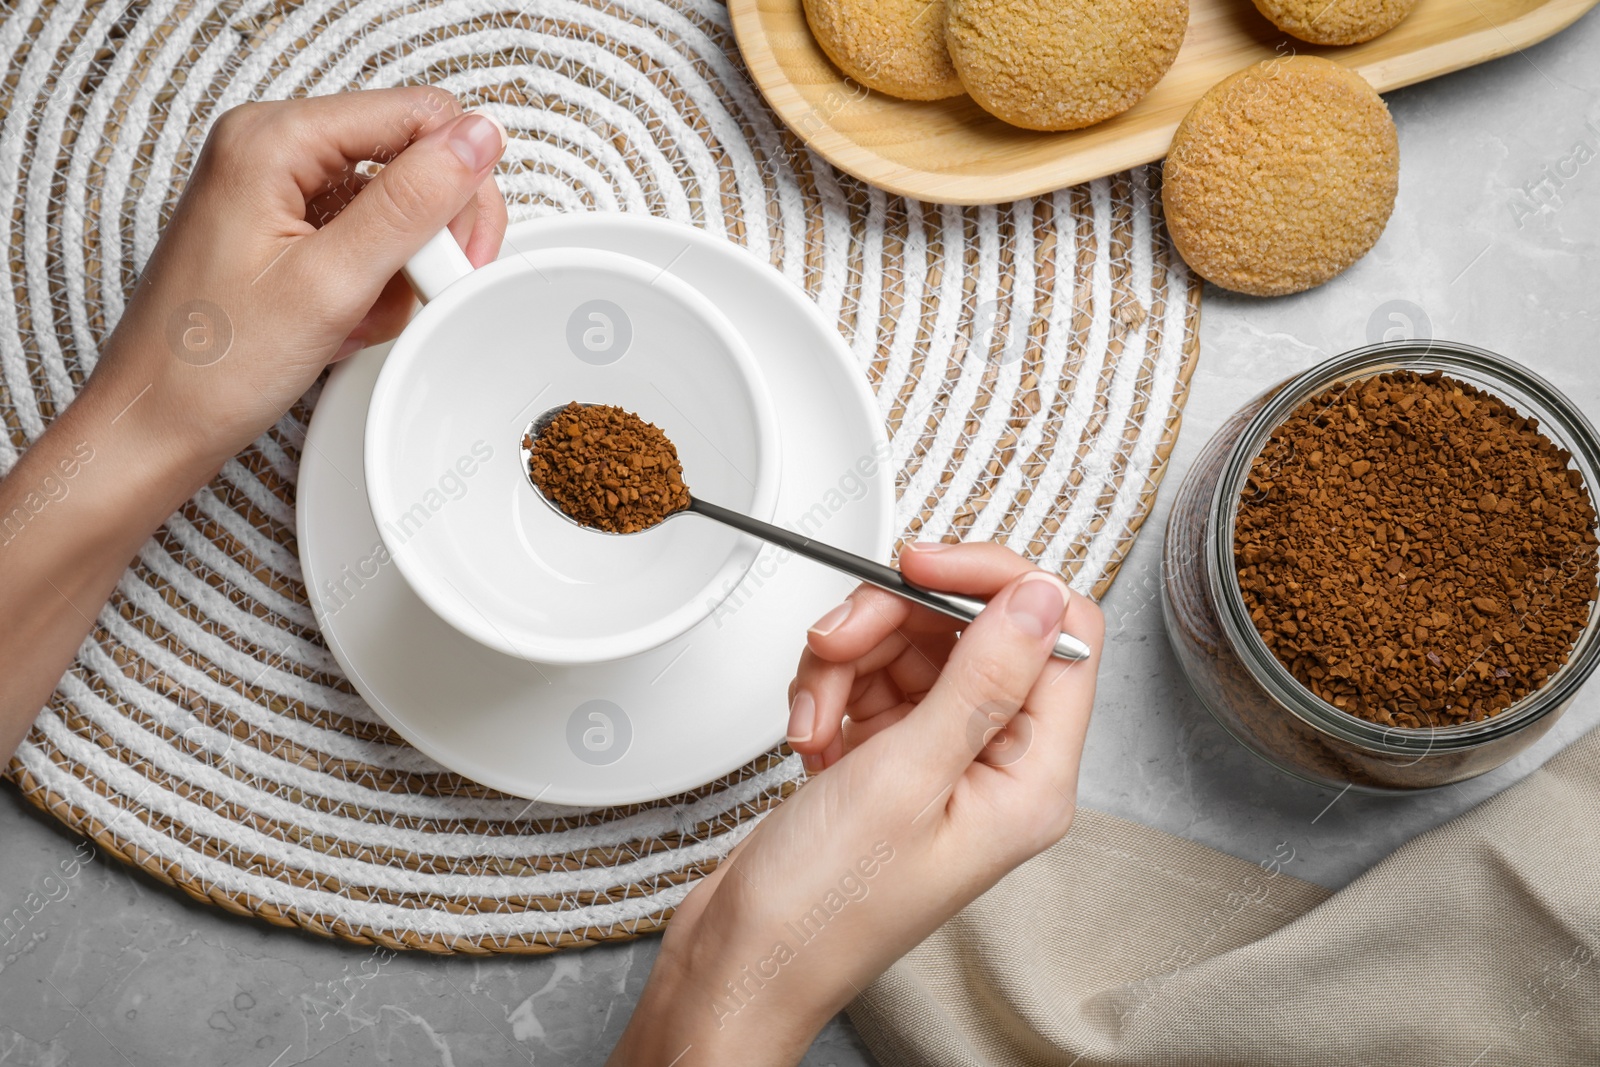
1030, 360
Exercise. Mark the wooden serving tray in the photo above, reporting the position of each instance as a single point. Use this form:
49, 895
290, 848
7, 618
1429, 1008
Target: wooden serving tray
952, 151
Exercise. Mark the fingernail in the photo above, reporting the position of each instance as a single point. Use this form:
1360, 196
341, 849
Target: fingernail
812, 764
928, 546
1035, 606
477, 139
802, 717
830, 622
351, 346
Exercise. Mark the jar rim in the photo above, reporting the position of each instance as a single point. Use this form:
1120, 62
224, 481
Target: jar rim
1558, 418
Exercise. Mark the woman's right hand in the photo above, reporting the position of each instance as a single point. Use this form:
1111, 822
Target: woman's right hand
940, 763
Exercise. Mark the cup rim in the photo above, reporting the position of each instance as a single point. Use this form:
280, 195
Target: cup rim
1572, 431
408, 353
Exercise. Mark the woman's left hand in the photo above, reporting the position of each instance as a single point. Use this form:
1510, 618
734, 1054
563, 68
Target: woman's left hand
272, 266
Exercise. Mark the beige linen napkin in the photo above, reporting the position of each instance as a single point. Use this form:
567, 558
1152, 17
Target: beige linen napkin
1474, 945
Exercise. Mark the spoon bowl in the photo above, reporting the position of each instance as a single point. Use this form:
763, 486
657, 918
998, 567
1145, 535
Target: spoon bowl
534, 429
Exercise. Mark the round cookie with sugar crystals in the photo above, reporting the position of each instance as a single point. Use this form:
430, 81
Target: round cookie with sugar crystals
1281, 176
893, 46
1062, 64
1335, 22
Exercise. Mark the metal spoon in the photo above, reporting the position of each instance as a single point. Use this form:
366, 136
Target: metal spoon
965, 608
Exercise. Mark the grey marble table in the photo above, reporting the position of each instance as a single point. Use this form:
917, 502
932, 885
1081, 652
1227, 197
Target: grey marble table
1490, 244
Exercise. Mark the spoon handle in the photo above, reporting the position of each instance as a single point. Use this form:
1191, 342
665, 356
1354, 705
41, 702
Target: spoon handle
965, 608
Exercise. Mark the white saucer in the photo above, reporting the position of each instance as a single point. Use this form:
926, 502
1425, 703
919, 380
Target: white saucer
667, 720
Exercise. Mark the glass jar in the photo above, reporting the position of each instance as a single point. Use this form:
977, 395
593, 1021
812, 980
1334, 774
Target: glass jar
1236, 675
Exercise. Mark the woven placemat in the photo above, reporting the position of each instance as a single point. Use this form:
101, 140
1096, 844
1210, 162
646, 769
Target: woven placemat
1031, 361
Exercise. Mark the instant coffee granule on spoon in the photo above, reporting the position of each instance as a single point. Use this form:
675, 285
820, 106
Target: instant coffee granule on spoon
607, 468
1416, 552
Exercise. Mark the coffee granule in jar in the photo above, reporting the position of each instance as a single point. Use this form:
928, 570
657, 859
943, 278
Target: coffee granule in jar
607, 468
1414, 551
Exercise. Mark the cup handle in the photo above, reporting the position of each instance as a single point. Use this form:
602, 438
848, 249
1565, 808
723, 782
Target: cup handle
436, 265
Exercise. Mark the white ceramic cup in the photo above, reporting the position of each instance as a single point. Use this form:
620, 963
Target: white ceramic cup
493, 348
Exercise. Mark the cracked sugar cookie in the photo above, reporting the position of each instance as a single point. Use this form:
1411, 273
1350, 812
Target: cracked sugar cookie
1281, 176
893, 46
1335, 21
1062, 64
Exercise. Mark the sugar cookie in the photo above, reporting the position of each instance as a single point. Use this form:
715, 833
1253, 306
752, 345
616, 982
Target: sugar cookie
1335, 21
1062, 64
893, 46
1281, 176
